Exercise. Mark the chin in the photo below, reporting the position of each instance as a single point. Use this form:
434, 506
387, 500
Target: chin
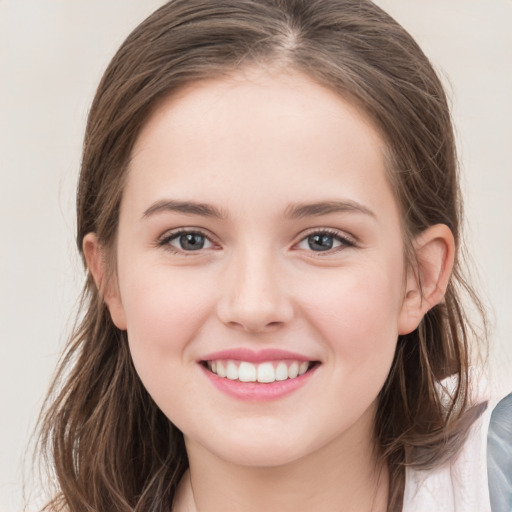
260, 455
270, 445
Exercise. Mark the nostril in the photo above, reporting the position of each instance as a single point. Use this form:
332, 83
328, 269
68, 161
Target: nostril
253, 326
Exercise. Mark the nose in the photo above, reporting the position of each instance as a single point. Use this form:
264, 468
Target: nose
254, 296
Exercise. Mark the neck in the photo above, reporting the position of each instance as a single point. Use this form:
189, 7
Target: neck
343, 475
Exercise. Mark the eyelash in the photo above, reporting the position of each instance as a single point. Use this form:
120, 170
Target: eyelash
345, 241
166, 240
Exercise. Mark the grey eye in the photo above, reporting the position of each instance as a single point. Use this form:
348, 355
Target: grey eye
321, 242
190, 241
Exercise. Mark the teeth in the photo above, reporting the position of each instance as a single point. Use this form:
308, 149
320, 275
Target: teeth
246, 372
266, 372
232, 371
293, 371
281, 371
221, 369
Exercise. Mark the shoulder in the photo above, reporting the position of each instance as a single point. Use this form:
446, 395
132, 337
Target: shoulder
499, 456
478, 478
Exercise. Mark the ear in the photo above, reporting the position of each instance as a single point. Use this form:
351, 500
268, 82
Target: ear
108, 289
426, 284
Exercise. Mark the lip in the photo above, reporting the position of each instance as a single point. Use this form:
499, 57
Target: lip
251, 356
256, 391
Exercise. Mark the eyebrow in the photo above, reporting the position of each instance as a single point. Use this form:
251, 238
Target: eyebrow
186, 207
293, 211
301, 210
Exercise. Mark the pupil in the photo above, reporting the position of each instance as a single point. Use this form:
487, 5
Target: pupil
192, 241
320, 242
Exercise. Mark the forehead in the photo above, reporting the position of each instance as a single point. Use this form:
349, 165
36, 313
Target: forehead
258, 134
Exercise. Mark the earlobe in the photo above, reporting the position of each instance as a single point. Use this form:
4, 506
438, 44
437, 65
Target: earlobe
427, 282
97, 266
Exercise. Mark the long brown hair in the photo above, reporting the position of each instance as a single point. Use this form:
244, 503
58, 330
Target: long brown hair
109, 445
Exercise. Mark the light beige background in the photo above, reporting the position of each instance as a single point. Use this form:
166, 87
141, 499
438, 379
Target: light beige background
52, 55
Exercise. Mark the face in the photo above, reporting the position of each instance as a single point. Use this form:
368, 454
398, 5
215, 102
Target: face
260, 267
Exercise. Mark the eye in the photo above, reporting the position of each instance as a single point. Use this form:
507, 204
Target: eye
186, 241
325, 240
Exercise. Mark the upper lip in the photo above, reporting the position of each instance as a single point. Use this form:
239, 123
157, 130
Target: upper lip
252, 356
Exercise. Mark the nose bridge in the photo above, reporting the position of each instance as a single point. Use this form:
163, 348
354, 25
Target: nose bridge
253, 295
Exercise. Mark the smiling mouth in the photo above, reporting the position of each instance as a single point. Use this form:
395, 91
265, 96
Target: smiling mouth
265, 372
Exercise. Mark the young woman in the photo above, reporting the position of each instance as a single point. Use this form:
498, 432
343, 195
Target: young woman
269, 212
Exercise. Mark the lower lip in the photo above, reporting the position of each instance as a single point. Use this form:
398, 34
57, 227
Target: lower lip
256, 390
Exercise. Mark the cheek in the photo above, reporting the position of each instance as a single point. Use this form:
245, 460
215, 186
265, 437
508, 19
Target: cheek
163, 310
357, 319
357, 314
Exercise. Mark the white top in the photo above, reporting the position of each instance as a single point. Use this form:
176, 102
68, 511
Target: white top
462, 484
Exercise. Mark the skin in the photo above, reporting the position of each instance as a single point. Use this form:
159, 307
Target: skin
251, 146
